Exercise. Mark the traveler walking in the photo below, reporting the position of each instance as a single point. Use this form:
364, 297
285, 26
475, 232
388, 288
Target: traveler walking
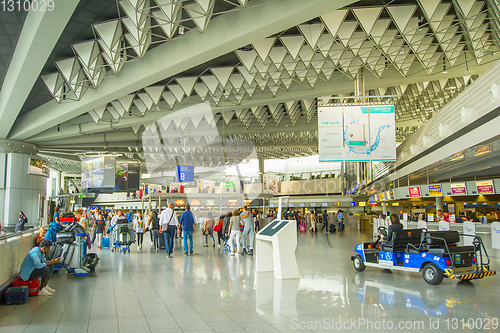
99, 228
208, 229
340, 220
154, 223
248, 230
168, 226
325, 221
313, 222
235, 233
139, 230
188, 228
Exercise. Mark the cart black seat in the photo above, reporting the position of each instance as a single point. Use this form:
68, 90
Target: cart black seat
401, 238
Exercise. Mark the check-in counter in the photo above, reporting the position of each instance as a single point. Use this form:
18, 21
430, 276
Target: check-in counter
364, 223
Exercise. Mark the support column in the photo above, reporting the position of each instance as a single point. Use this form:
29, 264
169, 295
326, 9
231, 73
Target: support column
439, 203
20, 190
384, 208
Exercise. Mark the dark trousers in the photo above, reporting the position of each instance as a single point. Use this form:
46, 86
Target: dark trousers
257, 226
45, 273
325, 226
169, 238
219, 236
155, 233
140, 238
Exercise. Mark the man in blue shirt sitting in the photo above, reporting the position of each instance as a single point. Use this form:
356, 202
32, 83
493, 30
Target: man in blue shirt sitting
35, 265
188, 227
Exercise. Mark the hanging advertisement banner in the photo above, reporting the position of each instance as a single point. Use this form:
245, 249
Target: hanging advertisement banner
121, 174
357, 133
133, 177
485, 187
435, 191
39, 167
93, 172
414, 192
109, 171
458, 189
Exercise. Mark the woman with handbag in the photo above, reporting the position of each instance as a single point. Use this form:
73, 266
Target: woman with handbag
208, 229
218, 229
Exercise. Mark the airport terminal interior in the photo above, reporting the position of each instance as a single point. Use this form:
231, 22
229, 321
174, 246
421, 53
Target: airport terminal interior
249, 165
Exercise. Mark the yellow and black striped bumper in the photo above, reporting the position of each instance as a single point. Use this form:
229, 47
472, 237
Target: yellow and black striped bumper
469, 276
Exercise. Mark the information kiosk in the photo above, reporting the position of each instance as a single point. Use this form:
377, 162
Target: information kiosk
275, 249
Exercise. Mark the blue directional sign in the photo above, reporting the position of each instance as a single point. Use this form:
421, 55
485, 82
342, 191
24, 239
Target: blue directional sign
185, 173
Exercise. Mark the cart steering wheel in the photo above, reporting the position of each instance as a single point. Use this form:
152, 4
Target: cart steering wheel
380, 230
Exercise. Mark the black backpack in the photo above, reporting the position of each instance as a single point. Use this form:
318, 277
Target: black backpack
332, 229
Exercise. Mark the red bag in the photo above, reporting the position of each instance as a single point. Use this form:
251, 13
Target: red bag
218, 227
32, 285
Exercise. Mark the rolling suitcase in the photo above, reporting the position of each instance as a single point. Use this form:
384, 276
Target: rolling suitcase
32, 285
161, 241
16, 295
105, 241
68, 253
55, 251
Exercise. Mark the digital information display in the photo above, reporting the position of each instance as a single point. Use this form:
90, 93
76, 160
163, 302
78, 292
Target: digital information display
273, 228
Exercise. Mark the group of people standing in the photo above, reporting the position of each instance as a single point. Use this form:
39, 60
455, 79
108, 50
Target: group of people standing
325, 219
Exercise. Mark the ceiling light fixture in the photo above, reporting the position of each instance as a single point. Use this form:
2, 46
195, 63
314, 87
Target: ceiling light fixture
181, 30
444, 66
386, 66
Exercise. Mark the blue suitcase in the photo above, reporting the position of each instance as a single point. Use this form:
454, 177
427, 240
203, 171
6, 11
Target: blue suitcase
16, 295
105, 242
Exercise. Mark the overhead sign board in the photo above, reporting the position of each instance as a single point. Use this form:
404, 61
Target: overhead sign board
228, 184
435, 191
414, 192
458, 189
185, 173
485, 187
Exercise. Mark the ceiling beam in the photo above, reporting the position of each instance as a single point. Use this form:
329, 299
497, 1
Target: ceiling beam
39, 35
224, 34
340, 85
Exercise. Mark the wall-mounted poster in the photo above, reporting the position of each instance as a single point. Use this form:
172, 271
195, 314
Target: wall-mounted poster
233, 202
270, 182
179, 202
210, 202
195, 202
357, 133
39, 167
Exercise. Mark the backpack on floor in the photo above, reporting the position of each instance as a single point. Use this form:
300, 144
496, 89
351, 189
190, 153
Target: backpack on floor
90, 261
332, 229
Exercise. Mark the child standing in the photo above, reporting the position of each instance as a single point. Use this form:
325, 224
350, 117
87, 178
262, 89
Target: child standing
139, 230
99, 227
235, 233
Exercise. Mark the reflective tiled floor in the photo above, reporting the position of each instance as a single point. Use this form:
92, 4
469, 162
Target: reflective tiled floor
210, 291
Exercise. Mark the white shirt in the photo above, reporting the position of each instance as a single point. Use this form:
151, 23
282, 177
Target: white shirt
113, 220
166, 216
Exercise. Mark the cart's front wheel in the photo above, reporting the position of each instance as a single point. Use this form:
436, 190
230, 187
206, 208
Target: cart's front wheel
358, 263
432, 274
